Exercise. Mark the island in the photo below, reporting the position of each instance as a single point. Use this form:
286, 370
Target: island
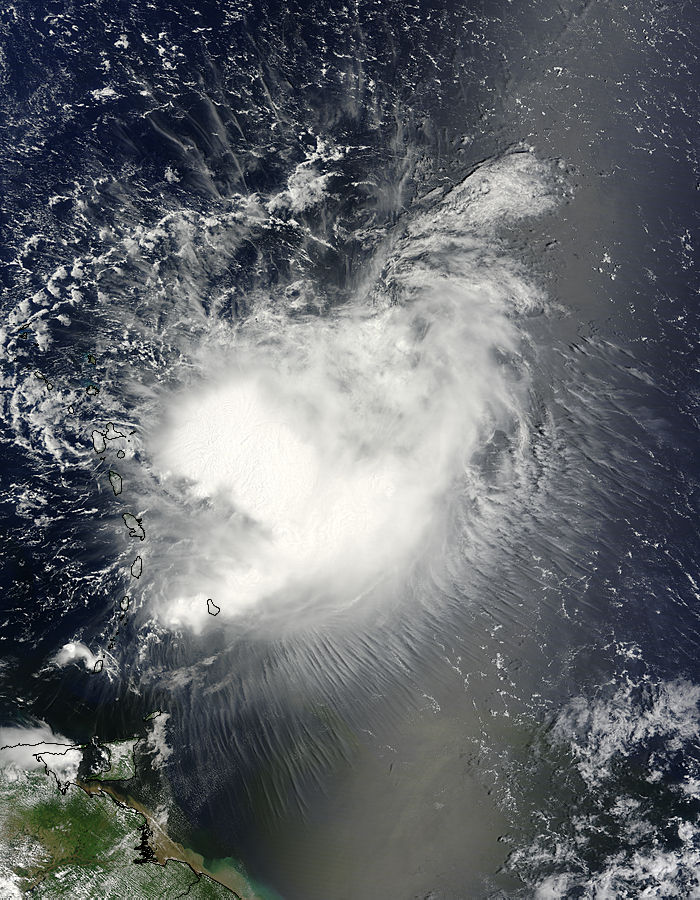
100, 438
115, 479
98, 441
112, 433
134, 526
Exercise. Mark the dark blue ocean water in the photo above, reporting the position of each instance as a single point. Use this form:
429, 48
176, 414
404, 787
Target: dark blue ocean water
519, 714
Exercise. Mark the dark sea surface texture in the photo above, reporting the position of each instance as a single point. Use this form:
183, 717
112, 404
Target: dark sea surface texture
350, 407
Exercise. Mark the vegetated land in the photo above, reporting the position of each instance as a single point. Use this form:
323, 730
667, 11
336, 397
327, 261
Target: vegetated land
79, 845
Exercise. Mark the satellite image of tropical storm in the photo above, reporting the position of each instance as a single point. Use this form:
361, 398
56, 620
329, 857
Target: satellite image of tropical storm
349, 451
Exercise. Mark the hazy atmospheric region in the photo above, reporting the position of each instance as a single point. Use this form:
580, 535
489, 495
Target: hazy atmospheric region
349, 450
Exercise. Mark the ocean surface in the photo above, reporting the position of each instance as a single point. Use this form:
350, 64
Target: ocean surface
350, 406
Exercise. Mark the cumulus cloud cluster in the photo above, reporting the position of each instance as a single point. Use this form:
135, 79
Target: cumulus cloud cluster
21, 746
332, 441
75, 652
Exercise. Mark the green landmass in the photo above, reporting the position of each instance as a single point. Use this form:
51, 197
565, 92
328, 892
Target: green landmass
63, 837
121, 761
83, 845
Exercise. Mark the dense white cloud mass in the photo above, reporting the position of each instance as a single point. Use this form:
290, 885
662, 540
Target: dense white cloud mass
75, 652
19, 746
332, 441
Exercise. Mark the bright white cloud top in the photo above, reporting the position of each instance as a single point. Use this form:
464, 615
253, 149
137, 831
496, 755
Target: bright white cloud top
328, 444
